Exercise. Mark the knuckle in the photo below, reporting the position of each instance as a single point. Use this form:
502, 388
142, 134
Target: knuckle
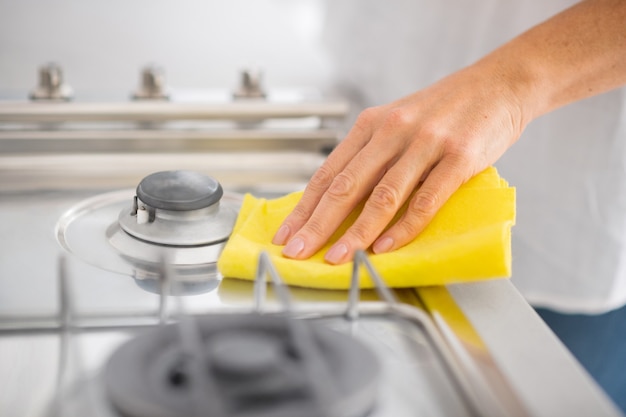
322, 179
367, 117
425, 204
398, 118
406, 230
385, 198
463, 151
342, 186
315, 229
301, 213
433, 132
366, 120
361, 236
430, 129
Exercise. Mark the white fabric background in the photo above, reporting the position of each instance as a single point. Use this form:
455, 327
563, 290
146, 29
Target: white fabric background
568, 167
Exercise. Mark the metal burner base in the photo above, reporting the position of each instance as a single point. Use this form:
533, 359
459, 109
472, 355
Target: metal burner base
90, 231
243, 365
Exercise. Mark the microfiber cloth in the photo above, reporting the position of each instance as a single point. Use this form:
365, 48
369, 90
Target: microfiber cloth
468, 239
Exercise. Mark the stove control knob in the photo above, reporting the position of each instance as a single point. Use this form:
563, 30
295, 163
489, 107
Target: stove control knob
51, 86
152, 86
250, 85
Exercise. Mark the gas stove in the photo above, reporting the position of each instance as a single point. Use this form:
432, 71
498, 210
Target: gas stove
320, 358
274, 358
114, 215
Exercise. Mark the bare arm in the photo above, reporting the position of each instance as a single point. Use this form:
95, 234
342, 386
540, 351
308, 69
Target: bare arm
440, 137
578, 53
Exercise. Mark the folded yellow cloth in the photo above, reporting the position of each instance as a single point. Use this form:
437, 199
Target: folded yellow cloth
469, 239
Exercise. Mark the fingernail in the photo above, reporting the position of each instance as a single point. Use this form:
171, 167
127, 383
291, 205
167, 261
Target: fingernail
281, 236
294, 247
336, 253
383, 245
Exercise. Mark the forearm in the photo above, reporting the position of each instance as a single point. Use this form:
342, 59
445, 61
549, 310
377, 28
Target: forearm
576, 54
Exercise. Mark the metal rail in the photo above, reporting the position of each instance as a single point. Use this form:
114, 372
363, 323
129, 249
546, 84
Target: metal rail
245, 110
165, 140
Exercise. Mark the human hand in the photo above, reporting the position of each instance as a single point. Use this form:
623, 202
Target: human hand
430, 142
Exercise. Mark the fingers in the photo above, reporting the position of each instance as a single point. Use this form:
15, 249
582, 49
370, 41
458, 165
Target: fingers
384, 172
442, 181
356, 139
439, 136
383, 203
348, 188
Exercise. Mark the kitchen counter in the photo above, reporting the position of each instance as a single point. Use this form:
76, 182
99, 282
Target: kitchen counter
543, 373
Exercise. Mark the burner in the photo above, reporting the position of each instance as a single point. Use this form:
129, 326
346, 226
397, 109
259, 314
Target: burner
183, 217
178, 208
243, 365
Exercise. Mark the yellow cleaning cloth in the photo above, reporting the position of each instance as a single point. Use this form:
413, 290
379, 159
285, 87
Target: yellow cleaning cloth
469, 239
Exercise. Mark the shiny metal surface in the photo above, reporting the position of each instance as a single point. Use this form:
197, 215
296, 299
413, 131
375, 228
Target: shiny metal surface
265, 173
544, 375
179, 190
198, 138
421, 373
22, 112
90, 231
286, 121
179, 208
108, 307
203, 227
404, 394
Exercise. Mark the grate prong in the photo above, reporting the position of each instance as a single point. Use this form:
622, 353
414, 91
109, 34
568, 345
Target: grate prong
384, 292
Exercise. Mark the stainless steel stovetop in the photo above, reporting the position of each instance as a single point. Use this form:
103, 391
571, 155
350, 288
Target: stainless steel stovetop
67, 309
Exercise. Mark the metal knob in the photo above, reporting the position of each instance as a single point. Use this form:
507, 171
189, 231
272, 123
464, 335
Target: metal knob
250, 85
51, 86
152, 85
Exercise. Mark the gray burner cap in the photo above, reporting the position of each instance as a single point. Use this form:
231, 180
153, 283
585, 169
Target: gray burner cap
179, 190
244, 365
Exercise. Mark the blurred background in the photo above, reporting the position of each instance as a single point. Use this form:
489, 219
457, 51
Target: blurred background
102, 45
200, 50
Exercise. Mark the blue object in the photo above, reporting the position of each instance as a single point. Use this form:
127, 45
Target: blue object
599, 344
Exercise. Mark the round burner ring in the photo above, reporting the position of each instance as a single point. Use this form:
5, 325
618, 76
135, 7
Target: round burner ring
91, 231
152, 375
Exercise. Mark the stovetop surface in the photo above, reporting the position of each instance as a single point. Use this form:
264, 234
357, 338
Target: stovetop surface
35, 192
414, 377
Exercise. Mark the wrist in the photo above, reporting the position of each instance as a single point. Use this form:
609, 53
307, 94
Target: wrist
517, 86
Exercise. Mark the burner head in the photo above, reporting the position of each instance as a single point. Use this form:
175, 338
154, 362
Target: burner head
179, 190
243, 365
189, 241
178, 209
